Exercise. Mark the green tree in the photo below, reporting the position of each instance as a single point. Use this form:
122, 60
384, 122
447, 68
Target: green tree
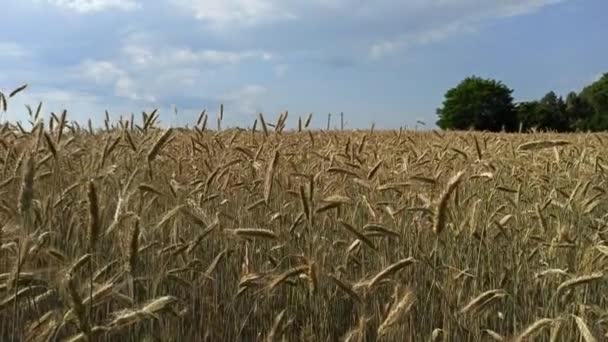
553, 113
578, 112
480, 104
596, 95
528, 115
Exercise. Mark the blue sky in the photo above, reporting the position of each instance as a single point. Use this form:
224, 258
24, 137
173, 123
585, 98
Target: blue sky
384, 61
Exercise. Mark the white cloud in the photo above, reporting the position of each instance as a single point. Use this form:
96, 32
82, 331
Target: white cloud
90, 6
216, 57
101, 71
520, 7
246, 99
168, 56
467, 16
389, 46
148, 70
169, 71
126, 87
229, 13
64, 97
10, 49
107, 73
429, 21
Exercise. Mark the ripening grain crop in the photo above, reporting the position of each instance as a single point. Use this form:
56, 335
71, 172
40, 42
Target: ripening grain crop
135, 233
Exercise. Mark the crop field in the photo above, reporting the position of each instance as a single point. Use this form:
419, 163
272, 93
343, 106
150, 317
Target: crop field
137, 233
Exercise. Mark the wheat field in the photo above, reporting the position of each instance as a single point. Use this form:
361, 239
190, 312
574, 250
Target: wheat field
137, 233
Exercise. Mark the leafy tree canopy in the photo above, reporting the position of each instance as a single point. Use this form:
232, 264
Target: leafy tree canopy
480, 104
486, 104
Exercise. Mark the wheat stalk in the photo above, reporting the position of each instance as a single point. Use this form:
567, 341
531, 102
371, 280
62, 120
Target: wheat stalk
403, 307
441, 211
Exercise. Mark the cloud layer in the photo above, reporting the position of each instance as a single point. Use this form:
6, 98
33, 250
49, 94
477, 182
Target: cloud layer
89, 6
199, 53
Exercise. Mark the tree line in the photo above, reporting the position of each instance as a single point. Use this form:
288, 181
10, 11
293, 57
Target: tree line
487, 104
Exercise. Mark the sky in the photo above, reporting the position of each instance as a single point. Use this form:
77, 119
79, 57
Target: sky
386, 62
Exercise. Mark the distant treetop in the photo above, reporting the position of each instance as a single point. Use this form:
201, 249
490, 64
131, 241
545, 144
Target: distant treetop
486, 104
480, 104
